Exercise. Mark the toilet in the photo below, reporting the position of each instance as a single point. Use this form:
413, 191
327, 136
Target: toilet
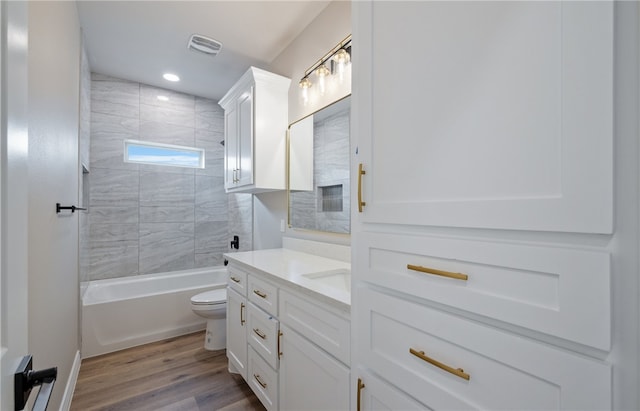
212, 305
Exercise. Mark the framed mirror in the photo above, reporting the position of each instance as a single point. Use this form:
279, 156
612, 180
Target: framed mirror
319, 167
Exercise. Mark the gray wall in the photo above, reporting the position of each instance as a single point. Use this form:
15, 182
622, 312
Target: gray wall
143, 218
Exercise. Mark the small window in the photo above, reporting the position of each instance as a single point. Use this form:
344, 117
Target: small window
331, 198
162, 154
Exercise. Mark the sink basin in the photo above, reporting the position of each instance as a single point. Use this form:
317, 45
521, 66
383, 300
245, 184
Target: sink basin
340, 279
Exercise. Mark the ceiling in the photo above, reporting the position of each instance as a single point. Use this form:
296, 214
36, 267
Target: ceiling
141, 40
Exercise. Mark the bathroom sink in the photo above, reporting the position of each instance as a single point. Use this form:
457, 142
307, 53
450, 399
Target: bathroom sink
339, 279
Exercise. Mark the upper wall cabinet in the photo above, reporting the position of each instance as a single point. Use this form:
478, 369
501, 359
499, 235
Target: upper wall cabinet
255, 113
495, 124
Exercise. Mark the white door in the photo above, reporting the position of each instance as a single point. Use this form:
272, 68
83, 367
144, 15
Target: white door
237, 331
231, 146
245, 138
13, 205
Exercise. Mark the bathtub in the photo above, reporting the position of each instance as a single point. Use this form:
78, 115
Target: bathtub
124, 312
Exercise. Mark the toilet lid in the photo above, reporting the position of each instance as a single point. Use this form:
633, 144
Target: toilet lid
213, 297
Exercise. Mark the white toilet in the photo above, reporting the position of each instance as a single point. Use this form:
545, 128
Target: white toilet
212, 305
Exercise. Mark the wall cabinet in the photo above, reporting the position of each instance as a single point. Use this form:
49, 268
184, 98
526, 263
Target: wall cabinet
462, 263
256, 116
296, 349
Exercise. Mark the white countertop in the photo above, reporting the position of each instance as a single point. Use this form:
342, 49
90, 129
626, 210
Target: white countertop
289, 267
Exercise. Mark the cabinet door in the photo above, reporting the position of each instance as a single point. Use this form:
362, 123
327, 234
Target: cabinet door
310, 379
230, 146
374, 394
237, 331
245, 139
467, 114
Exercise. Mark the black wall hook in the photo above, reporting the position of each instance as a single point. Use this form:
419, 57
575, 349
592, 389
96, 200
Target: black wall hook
72, 208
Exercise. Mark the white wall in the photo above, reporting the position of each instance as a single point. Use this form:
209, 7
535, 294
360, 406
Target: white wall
324, 33
54, 82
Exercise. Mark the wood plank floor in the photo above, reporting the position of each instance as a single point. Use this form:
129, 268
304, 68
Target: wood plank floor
177, 374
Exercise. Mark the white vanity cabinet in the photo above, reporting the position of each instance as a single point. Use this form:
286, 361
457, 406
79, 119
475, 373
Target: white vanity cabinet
237, 321
255, 132
297, 344
478, 282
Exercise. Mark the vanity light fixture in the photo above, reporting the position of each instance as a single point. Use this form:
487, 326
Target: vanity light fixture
339, 56
170, 77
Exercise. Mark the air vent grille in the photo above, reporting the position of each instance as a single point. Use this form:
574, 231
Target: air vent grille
204, 45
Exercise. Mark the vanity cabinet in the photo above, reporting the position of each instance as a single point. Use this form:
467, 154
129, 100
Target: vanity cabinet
297, 346
478, 282
256, 116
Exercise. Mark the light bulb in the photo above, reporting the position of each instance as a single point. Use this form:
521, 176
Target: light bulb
341, 58
305, 84
322, 71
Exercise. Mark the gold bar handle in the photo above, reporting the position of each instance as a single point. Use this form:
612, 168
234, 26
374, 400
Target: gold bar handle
234, 279
242, 320
260, 333
448, 274
259, 294
360, 387
279, 352
361, 203
458, 372
262, 384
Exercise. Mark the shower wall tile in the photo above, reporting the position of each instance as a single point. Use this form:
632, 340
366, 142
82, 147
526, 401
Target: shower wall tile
158, 132
111, 259
166, 247
167, 115
177, 101
209, 115
211, 202
108, 133
210, 235
166, 189
111, 187
110, 214
241, 219
167, 214
212, 258
101, 232
214, 152
114, 96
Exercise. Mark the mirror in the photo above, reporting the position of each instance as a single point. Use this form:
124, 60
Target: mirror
319, 167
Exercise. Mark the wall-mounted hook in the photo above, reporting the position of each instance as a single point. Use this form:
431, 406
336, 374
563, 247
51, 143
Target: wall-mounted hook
72, 208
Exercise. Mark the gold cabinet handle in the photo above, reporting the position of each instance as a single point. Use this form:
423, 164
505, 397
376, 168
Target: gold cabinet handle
360, 387
260, 333
259, 294
262, 384
448, 274
361, 203
279, 352
242, 320
458, 372
234, 279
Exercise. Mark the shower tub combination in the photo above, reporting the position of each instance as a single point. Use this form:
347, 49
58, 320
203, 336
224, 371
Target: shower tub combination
124, 312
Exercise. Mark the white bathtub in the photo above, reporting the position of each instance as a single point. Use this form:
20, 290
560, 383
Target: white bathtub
124, 312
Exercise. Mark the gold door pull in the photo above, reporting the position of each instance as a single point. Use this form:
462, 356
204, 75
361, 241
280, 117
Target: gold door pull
234, 279
279, 352
260, 333
242, 320
360, 387
448, 274
262, 384
259, 293
458, 372
361, 203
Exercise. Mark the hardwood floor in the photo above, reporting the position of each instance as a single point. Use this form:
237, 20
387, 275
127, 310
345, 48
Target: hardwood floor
177, 374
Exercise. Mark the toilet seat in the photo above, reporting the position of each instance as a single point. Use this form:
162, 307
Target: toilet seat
213, 297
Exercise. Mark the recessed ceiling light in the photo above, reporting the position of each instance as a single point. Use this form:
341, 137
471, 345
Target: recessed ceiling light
170, 77
163, 98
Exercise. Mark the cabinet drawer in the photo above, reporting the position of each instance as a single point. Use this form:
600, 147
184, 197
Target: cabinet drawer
326, 329
263, 380
506, 371
263, 294
262, 330
557, 291
237, 279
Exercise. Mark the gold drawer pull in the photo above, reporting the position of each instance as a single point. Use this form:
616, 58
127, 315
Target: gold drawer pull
234, 279
360, 387
260, 334
448, 274
242, 320
458, 372
259, 294
279, 352
361, 203
262, 384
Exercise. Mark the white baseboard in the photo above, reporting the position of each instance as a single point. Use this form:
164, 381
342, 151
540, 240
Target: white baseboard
65, 405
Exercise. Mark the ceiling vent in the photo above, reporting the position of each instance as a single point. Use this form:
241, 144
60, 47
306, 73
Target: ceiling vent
204, 45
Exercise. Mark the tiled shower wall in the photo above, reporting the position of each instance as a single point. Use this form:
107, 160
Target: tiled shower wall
145, 218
